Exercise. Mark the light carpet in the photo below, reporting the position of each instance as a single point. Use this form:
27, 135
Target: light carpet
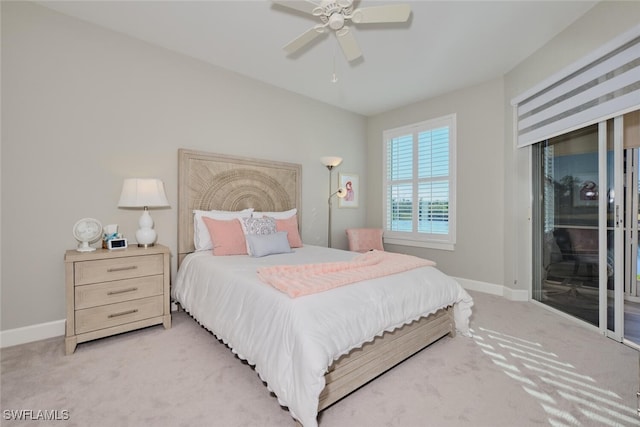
524, 366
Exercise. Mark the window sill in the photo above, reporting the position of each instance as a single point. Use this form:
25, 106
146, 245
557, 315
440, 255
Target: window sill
420, 244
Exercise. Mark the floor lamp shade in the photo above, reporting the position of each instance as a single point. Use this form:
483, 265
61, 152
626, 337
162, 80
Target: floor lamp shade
331, 161
143, 193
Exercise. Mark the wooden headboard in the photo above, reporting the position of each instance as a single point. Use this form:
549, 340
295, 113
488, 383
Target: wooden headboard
209, 181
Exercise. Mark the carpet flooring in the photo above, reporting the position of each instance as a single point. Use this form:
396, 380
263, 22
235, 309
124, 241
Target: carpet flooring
524, 366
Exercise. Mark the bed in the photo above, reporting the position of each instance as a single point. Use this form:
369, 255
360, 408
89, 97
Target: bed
315, 349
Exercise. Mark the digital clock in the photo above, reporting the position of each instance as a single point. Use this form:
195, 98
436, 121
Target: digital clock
117, 243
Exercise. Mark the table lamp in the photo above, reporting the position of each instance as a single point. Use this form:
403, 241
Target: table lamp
143, 193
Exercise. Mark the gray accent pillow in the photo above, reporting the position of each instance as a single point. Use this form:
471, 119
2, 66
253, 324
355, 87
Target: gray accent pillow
268, 244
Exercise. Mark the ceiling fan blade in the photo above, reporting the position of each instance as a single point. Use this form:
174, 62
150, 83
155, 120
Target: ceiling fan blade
303, 40
380, 14
349, 45
300, 5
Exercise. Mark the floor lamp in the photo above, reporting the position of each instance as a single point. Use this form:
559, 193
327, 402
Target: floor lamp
330, 163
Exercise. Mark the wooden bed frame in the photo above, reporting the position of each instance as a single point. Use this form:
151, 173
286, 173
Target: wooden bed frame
211, 181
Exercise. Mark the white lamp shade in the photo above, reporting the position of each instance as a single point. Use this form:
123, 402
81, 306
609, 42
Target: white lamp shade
331, 161
139, 193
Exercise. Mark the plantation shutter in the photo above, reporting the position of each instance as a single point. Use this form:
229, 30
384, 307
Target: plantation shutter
433, 181
419, 185
400, 178
603, 85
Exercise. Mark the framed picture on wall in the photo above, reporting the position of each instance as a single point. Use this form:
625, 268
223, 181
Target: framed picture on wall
349, 182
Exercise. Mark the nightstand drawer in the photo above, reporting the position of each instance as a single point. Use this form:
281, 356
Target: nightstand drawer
116, 269
106, 316
118, 291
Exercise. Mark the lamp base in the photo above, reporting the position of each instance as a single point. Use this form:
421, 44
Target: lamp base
146, 235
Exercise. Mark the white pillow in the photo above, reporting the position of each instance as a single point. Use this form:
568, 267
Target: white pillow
277, 215
201, 237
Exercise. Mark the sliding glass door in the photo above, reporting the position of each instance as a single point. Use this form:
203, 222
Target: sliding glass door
566, 224
580, 224
585, 258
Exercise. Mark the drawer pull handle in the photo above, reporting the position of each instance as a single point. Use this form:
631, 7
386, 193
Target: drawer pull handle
123, 313
130, 267
122, 291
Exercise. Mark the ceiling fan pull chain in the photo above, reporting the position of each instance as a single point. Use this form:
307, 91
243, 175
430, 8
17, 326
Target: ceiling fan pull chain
334, 77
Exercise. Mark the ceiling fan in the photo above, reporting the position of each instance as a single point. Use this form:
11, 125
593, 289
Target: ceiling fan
335, 14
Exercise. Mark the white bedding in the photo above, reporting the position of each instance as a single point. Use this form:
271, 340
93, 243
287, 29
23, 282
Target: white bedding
292, 341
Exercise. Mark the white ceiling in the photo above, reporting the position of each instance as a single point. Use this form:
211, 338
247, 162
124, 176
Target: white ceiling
445, 45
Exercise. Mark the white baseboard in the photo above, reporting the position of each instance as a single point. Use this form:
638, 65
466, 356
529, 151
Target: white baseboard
38, 332
32, 333
493, 289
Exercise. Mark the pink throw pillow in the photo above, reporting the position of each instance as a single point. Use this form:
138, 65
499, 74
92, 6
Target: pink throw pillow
290, 225
227, 236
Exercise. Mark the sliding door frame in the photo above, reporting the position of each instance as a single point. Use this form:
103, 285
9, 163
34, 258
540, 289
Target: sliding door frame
617, 333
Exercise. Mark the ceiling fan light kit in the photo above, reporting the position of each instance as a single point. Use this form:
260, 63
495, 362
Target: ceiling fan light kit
335, 14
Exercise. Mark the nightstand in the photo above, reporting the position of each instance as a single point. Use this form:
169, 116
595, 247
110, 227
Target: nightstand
115, 291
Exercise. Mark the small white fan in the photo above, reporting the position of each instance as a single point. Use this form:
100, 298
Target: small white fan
87, 231
334, 14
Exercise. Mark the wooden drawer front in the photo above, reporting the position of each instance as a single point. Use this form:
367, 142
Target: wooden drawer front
122, 290
106, 316
118, 268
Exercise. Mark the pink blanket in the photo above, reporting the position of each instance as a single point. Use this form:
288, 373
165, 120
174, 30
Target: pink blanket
298, 280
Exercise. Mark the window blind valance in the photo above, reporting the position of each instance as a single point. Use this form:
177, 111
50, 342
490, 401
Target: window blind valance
600, 86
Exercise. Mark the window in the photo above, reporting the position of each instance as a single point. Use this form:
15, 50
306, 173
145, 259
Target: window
419, 184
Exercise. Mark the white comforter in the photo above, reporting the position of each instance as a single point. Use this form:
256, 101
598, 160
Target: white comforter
292, 341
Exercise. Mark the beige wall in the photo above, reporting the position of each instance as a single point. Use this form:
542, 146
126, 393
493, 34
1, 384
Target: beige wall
601, 24
478, 253
83, 108
493, 226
